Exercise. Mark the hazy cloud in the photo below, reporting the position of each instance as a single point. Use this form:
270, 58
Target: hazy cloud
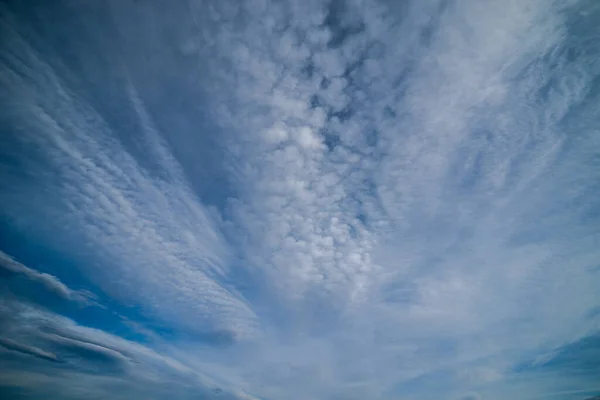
26, 349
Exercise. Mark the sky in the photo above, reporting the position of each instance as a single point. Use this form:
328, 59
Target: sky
270, 199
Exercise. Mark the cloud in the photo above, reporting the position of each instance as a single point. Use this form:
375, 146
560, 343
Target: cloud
393, 190
89, 361
89, 351
406, 208
142, 219
25, 349
10, 266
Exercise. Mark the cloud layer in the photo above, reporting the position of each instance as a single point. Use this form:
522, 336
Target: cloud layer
340, 199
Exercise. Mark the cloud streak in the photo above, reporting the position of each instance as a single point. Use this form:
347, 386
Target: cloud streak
25, 349
141, 221
93, 361
50, 282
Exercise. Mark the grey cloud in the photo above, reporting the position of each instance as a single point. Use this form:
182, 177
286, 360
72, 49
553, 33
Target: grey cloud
11, 344
10, 266
90, 363
88, 351
472, 396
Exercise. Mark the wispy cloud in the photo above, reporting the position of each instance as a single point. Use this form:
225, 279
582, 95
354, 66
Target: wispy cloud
93, 361
141, 221
10, 266
26, 349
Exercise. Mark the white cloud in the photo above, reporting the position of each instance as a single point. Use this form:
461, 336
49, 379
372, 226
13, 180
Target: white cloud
429, 194
407, 204
158, 246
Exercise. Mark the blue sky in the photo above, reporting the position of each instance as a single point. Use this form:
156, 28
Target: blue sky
263, 199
